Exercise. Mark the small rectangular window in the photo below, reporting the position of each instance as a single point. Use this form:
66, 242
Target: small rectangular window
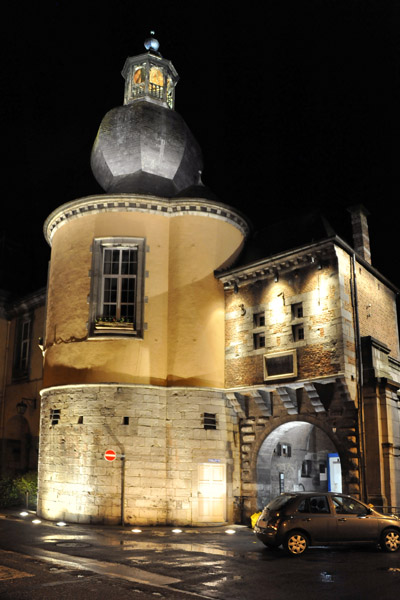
297, 310
259, 340
55, 415
22, 348
210, 421
306, 468
286, 450
259, 319
298, 332
126, 421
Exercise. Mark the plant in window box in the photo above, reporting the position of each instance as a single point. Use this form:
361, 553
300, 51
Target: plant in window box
113, 323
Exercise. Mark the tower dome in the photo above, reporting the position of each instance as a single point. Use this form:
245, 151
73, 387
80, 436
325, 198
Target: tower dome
145, 146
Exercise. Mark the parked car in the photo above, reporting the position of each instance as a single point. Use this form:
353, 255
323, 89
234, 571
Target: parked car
298, 520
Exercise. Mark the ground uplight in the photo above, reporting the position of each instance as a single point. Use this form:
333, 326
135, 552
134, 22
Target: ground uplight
136, 530
36, 521
61, 524
23, 513
230, 531
177, 531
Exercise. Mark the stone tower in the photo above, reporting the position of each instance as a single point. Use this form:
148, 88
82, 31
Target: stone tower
134, 346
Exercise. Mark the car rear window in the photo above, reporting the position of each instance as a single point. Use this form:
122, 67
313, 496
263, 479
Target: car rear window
279, 502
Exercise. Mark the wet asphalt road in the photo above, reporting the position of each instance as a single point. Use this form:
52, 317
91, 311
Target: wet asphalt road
45, 561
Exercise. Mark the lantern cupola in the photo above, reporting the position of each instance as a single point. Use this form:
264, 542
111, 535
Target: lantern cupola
150, 76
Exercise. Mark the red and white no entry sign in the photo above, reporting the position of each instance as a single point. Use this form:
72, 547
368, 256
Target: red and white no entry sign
110, 455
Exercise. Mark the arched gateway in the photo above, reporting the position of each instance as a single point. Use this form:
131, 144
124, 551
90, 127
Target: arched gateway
293, 439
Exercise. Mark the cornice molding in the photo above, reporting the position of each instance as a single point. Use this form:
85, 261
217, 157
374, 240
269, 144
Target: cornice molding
136, 203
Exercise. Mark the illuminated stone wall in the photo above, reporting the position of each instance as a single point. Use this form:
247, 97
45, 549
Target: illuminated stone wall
161, 433
320, 353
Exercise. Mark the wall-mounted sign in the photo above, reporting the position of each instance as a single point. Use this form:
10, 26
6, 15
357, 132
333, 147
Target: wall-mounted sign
110, 455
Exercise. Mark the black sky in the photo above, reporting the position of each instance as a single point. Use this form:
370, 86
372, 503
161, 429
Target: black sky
295, 109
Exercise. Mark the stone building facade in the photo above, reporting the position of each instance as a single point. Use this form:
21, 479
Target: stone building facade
215, 383
21, 371
312, 360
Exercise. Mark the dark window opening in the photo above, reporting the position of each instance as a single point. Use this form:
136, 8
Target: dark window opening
298, 332
259, 340
259, 319
297, 310
80, 420
210, 421
126, 420
55, 415
283, 450
306, 468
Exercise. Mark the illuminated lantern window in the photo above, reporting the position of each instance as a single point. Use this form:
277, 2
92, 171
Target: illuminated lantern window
139, 82
156, 83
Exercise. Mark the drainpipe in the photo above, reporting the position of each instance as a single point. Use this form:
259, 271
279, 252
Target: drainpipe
360, 378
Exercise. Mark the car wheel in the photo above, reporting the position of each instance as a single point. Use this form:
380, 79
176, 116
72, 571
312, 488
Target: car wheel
296, 543
390, 540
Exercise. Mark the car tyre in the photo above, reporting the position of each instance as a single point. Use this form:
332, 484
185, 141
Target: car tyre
390, 540
296, 543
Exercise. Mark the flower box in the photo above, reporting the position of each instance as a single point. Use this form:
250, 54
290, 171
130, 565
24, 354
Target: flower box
113, 325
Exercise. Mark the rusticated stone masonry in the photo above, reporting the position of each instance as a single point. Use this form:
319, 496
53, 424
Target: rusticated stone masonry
326, 405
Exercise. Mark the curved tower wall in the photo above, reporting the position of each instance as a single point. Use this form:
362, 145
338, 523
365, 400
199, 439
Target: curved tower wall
144, 397
183, 337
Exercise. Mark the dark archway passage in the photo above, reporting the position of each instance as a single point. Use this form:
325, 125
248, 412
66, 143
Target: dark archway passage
295, 457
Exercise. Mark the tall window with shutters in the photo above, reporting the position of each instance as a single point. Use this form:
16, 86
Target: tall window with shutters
117, 286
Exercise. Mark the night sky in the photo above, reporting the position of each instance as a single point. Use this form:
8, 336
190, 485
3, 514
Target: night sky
296, 110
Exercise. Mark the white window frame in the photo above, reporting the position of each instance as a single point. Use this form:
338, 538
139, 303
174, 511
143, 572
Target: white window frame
97, 288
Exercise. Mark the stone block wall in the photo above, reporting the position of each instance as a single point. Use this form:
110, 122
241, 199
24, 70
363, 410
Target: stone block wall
159, 431
377, 310
319, 353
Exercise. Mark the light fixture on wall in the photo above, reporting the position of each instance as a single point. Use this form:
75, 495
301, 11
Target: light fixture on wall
276, 277
235, 287
23, 405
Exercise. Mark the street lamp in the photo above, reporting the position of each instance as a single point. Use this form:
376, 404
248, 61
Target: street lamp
22, 406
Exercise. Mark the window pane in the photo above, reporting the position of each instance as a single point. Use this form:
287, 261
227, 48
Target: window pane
107, 262
128, 290
115, 262
129, 262
110, 289
127, 312
110, 310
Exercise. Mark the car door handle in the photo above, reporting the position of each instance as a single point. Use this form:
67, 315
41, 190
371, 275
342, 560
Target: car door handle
342, 519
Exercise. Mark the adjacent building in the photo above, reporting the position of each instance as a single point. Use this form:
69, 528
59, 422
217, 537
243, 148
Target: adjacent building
21, 370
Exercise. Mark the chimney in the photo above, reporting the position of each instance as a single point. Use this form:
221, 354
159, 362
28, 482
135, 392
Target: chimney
360, 231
